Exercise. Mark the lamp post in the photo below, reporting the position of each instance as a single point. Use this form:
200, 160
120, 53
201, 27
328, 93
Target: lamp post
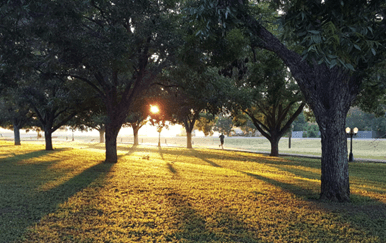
351, 132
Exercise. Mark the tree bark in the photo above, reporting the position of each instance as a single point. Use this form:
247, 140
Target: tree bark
135, 132
112, 131
48, 139
16, 133
274, 146
189, 139
335, 177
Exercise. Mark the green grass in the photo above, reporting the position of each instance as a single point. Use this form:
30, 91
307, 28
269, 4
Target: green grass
180, 195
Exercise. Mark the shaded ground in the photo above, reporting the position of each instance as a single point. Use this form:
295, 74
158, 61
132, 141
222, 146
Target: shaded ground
181, 195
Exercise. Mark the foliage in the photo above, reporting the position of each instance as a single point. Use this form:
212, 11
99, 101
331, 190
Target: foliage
191, 92
336, 32
54, 103
311, 131
300, 123
244, 122
366, 121
224, 124
267, 93
117, 48
205, 123
329, 75
179, 195
14, 111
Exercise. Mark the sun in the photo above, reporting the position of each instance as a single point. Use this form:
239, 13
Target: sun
154, 109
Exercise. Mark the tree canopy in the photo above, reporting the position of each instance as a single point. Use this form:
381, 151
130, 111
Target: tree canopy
328, 46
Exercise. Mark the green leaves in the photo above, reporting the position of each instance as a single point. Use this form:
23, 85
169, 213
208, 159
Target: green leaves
333, 34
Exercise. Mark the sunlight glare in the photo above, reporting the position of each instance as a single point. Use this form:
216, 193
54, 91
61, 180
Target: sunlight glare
154, 109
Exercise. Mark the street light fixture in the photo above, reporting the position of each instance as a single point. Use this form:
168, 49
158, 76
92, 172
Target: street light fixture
351, 132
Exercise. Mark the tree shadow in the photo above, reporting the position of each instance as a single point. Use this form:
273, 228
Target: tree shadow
161, 153
195, 227
131, 150
20, 157
24, 204
297, 190
171, 168
366, 213
202, 157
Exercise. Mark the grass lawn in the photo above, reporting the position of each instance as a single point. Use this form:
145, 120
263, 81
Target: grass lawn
179, 195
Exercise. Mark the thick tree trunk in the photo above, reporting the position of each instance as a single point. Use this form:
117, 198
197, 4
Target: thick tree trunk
101, 135
16, 132
112, 131
274, 146
335, 177
189, 139
48, 139
135, 132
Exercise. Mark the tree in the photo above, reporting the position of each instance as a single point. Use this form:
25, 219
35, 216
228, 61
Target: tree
224, 124
205, 123
15, 114
117, 48
15, 51
54, 103
337, 42
138, 117
269, 96
191, 92
300, 123
92, 117
162, 116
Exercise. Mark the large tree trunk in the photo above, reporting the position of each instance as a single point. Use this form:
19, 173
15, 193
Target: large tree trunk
48, 139
335, 176
189, 125
135, 132
112, 131
16, 133
274, 146
189, 139
330, 95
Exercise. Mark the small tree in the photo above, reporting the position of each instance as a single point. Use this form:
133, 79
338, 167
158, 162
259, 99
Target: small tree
205, 123
15, 114
54, 103
224, 124
269, 96
138, 117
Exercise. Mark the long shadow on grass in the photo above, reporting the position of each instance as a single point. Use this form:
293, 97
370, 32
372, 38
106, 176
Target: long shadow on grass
202, 157
370, 215
296, 167
222, 226
30, 205
20, 157
299, 191
132, 149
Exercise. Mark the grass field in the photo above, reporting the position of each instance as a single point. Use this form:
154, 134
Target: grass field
180, 195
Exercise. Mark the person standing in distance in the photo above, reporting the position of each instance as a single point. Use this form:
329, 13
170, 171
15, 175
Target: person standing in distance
222, 140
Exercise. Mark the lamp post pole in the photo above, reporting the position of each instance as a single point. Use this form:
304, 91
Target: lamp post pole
351, 156
351, 132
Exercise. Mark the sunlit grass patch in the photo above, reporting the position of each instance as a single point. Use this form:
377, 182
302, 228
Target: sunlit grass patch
183, 195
